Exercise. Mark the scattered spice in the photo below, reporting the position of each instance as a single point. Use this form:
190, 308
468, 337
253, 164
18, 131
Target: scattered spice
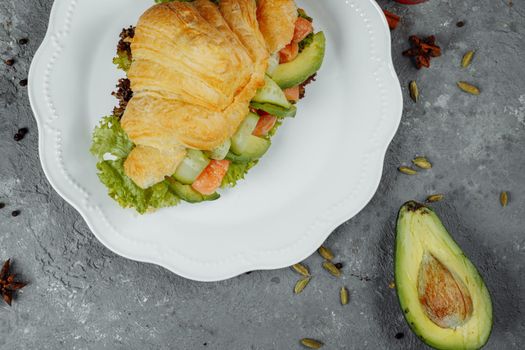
392, 19
20, 134
15, 213
343, 295
325, 252
406, 170
312, 343
504, 198
422, 162
460, 24
435, 198
339, 265
301, 285
23, 41
23, 82
330, 267
2, 205
422, 50
400, 335
8, 285
414, 91
392, 285
9, 62
467, 59
123, 94
301, 269
468, 88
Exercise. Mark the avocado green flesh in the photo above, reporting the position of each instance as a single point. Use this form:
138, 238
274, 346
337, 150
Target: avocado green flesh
187, 193
276, 111
308, 62
420, 233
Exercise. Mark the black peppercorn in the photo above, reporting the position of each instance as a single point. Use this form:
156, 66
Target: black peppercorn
23, 82
460, 24
2, 205
23, 41
15, 213
400, 335
9, 62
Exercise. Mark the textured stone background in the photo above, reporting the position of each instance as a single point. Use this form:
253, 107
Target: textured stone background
82, 296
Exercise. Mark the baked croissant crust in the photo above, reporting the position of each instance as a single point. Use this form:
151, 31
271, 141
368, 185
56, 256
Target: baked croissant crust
277, 22
195, 68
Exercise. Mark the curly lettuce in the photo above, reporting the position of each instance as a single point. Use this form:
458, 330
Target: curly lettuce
111, 146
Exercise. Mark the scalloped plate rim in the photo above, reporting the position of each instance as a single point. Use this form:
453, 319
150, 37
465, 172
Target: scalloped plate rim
326, 230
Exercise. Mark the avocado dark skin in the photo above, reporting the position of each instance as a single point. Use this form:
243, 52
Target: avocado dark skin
442, 295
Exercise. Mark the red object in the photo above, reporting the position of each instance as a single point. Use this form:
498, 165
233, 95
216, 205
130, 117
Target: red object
410, 2
211, 177
264, 125
392, 19
289, 52
292, 94
303, 28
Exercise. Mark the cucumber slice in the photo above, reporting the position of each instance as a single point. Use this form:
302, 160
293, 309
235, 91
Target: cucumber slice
271, 93
188, 194
240, 138
254, 149
191, 167
274, 110
220, 152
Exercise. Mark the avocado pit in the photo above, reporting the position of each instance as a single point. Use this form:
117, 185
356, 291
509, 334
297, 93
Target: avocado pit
444, 298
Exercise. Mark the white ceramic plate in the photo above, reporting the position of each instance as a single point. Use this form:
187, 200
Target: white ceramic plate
322, 169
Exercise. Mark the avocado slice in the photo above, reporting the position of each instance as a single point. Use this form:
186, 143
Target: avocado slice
442, 295
187, 193
303, 66
274, 110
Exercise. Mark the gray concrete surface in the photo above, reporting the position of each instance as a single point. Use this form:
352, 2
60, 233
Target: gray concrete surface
82, 296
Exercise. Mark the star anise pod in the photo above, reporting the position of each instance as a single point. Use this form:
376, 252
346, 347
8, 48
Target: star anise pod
8, 285
423, 50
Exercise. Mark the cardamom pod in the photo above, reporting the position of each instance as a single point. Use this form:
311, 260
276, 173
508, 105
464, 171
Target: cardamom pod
422, 162
301, 284
504, 198
343, 294
312, 343
325, 252
435, 198
407, 170
414, 91
330, 267
467, 59
301, 269
468, 88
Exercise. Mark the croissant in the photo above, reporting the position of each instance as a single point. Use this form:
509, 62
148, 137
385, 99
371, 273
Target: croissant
195, 68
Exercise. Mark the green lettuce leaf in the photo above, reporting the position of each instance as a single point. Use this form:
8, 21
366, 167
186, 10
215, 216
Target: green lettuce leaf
236, 172
122, 61
110, 138
122, 189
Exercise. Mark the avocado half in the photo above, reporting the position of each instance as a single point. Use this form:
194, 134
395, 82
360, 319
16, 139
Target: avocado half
442, 295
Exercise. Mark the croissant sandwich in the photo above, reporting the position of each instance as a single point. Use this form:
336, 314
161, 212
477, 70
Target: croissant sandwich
207, 85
